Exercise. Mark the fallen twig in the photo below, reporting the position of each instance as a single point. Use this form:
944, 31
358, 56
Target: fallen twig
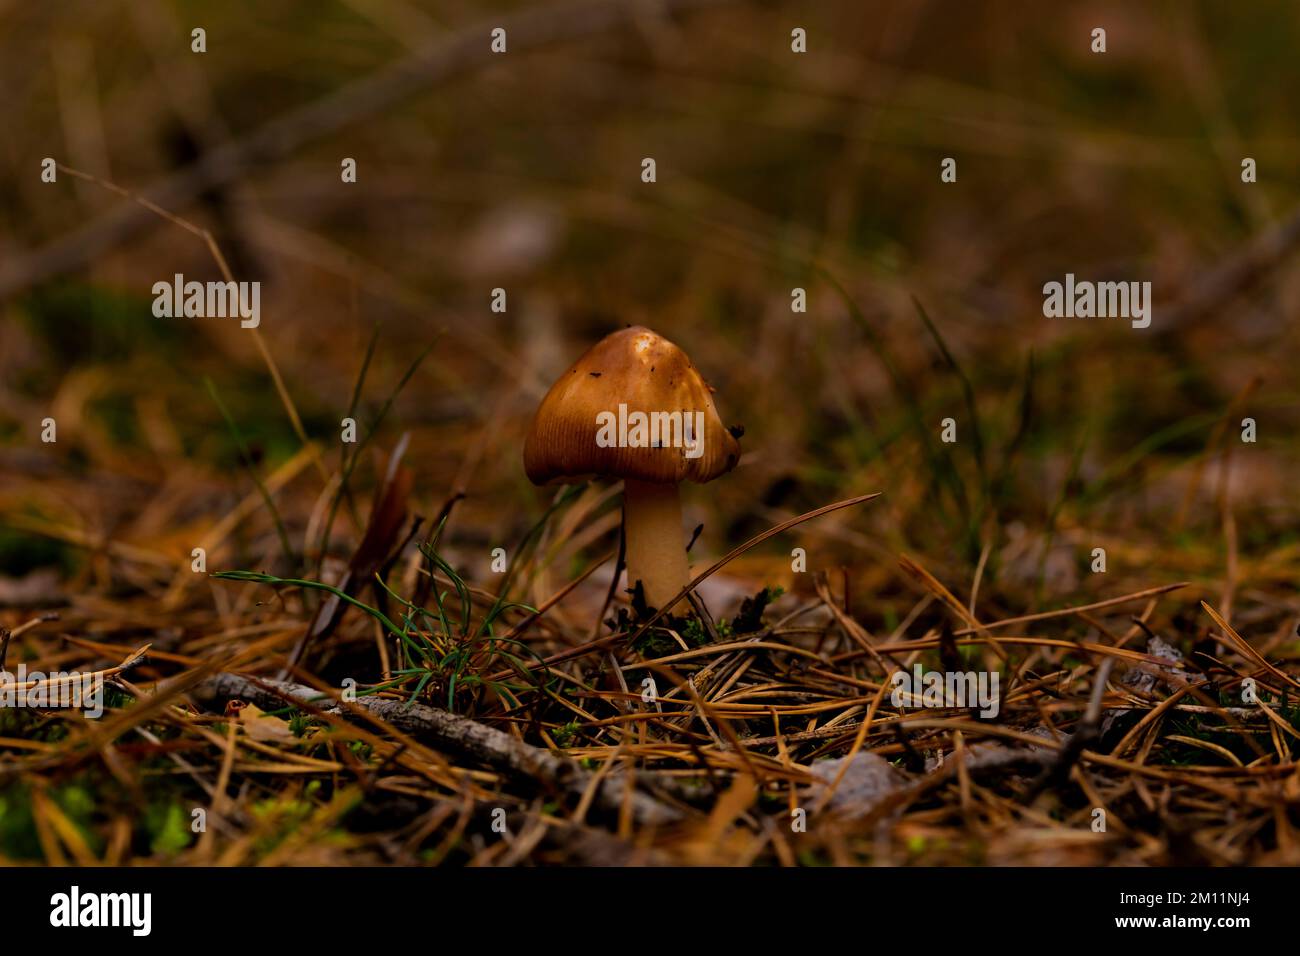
463, 736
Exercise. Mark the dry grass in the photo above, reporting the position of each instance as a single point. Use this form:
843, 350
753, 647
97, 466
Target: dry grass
1119, 691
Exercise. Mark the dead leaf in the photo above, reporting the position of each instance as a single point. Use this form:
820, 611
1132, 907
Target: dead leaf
868, 780
264, 728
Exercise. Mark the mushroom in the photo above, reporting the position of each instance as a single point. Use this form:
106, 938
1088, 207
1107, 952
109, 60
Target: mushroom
634, 407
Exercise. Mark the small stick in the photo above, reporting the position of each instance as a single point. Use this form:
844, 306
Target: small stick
453, 732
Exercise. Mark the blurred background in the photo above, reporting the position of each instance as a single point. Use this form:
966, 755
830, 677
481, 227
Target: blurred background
775, 171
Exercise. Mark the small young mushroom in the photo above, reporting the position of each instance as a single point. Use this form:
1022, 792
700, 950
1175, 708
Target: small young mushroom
634, 407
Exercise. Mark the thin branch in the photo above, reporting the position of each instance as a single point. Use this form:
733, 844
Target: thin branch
448, 731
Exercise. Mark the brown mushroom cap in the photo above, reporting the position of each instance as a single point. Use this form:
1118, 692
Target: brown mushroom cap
647, 373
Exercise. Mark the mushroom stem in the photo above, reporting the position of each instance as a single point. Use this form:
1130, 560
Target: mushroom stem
656, 554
